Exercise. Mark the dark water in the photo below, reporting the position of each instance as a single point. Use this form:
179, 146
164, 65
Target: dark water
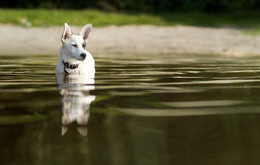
139, 110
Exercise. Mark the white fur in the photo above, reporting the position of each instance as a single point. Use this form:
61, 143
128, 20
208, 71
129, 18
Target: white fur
72, 54
76, 100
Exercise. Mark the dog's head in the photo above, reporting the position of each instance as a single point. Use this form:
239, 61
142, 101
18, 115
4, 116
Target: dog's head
73, 46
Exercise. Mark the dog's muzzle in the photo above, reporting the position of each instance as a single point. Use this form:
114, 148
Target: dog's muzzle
83, 55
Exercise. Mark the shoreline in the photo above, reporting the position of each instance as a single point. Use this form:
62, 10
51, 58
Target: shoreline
144, 39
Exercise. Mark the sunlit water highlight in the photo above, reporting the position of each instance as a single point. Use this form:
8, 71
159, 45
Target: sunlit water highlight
139, 109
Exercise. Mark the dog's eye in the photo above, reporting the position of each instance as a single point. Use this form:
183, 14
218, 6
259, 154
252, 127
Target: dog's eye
75, 45
83, 45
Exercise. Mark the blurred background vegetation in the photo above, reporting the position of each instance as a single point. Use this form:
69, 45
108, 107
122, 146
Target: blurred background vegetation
214, 13
138, 5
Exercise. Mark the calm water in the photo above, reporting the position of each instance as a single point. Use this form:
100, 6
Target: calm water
139, 110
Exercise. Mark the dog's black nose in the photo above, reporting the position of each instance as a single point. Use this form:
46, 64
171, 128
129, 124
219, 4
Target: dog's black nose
83, 55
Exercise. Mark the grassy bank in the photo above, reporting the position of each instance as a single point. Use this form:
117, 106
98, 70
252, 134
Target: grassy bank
39, 17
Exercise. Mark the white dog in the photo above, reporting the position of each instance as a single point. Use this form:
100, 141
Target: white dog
73, 56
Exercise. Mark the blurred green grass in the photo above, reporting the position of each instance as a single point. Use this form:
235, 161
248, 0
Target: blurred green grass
248, 21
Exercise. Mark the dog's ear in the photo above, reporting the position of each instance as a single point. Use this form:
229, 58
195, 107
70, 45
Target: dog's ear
64, 129
66, 33
85, 31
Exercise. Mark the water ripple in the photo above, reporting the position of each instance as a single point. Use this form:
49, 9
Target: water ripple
141, 84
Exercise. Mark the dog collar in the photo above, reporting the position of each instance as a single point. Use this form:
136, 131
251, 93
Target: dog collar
70, 66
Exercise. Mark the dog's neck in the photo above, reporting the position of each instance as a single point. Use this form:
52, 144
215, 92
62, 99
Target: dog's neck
69, 66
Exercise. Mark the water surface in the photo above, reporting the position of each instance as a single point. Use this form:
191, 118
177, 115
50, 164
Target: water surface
139, 109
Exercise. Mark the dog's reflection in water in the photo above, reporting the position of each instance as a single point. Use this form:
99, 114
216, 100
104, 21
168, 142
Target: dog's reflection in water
76, 99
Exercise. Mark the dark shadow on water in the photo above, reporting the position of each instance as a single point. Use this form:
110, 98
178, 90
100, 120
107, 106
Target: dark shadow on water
156, 110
